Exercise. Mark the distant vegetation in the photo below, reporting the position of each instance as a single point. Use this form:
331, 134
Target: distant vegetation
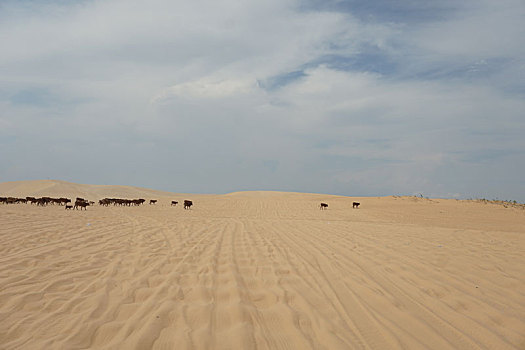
505, 203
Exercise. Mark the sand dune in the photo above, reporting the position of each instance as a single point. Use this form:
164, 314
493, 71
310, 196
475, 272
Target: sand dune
264, 270
57, 188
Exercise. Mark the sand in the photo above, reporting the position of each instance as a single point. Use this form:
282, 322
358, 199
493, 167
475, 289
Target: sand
264, 270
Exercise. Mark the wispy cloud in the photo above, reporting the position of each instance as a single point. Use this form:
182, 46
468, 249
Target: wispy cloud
207, 88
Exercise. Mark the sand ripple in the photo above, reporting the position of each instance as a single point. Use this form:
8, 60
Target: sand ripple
263, 271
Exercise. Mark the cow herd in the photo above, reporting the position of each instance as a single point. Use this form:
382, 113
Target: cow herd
187, 204
120, 201
42, 201
324, 206
81, 203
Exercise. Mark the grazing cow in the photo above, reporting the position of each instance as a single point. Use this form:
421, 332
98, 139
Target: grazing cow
3, 200
45, 201
174, 203
323, 206
187, 204
153, 201
355, 205
81, 204
69, 207
64, 201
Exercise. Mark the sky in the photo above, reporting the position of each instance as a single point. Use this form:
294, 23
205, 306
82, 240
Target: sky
347, 97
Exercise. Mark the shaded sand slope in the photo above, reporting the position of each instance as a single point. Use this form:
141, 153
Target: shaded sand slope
264, 270
57, 188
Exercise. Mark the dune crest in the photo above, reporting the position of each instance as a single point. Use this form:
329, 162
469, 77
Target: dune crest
54, 188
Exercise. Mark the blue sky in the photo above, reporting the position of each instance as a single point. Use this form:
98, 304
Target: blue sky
354, 97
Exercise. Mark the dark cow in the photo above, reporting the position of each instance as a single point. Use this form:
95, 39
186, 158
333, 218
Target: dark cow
45, 200
64, 201
12, 200
138, 201
174, 203
187, 204
41, 201
81, 204
69, 207
323, 206
355, 205
153, 201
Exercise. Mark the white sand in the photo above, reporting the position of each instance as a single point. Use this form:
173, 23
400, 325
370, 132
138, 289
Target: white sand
259, 270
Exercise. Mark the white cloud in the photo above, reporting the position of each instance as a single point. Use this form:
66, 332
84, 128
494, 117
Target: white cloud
207, 88
150, 78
